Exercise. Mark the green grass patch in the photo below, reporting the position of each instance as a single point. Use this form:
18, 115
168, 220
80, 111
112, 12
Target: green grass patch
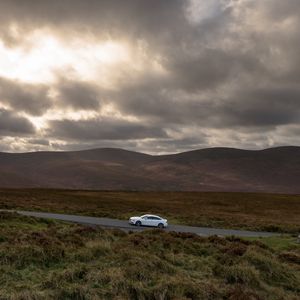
283, 242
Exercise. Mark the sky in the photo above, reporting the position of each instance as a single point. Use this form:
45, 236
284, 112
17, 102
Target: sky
159, 76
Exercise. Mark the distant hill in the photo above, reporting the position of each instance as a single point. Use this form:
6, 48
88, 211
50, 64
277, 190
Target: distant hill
214, 169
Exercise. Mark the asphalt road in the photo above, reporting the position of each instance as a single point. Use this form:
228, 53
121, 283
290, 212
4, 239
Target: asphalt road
114, 223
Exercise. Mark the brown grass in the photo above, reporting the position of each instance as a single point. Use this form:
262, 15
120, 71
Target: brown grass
270, 212
42, 259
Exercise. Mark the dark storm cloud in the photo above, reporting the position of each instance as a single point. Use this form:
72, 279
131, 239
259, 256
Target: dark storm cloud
209, 68
103, 129
261, 107
202, 72
29, 98
265, 107
11, 125
105, 17
42, 142
77, 95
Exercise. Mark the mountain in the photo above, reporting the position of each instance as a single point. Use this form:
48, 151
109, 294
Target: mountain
214, 169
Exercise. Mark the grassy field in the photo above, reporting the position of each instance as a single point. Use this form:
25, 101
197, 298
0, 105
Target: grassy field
42, 259
270, 212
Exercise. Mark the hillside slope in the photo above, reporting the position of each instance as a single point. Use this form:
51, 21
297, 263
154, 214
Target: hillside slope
213, 169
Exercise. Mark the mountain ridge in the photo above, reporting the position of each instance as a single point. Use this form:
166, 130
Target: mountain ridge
132, 151
274, 170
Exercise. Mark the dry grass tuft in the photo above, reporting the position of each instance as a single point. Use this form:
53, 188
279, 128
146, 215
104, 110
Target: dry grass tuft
40, 260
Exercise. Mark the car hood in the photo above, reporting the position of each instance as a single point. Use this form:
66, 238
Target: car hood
135, 218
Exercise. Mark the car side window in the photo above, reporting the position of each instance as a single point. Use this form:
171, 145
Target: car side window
145, 218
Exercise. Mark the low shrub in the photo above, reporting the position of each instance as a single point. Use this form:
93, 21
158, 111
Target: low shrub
68, 261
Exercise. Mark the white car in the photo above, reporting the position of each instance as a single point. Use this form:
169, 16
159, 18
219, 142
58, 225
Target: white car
149, 220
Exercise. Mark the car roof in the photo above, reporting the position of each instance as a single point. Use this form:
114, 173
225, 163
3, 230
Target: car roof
147, 215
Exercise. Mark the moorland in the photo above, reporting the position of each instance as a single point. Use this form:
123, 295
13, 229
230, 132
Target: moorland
44, 259
255, 211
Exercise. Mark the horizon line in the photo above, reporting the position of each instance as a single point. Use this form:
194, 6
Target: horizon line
134, 151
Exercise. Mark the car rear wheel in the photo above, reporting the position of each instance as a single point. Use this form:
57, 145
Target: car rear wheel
138, 223
160, 225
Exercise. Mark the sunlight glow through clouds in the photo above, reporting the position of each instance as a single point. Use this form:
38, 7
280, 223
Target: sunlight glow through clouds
47, 55
107, 110
41, 122
45, 59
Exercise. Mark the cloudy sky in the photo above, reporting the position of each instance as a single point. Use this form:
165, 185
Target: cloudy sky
155, 76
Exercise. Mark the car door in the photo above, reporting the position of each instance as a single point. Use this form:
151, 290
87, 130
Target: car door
146, 221
151, 221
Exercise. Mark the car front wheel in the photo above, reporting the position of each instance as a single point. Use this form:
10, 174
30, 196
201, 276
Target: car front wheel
138, 223
160, 225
